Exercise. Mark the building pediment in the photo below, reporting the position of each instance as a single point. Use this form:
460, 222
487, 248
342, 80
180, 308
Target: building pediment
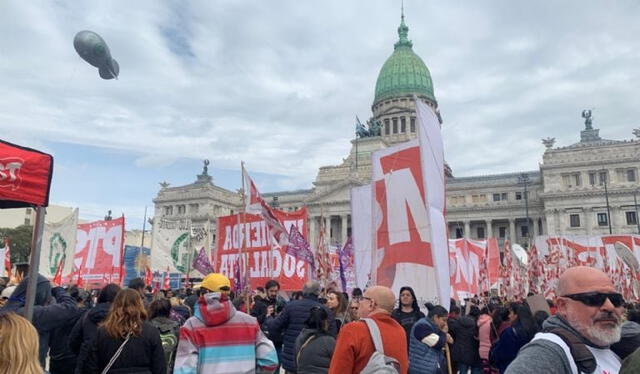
338, 192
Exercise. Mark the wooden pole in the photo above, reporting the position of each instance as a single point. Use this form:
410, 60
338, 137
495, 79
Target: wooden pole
34, 262
448, 353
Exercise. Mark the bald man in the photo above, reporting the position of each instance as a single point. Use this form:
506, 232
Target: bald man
354, 346
587, 323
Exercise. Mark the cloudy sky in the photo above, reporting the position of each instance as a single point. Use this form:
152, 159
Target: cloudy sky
278, 84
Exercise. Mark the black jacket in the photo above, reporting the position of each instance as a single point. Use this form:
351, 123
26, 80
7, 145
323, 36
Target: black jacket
465, 342
315, 357
141, 355
84, 331
62, 360
407, 320
46, 316
291, 322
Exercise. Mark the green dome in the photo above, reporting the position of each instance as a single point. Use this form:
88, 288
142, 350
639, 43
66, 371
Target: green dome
404, 72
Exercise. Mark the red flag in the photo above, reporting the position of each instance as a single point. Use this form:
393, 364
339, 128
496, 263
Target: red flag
7, 258
166, 285
148, 276
25, 176
79, 279
57, 279
255, 204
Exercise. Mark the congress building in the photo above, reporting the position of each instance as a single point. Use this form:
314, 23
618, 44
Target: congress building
580, 189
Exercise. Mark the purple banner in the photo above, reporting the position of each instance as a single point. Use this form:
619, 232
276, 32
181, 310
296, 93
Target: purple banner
298, 246
201, 263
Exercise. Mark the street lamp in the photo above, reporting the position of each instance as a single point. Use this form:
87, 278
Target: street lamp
635, 204
606, 196
524, 180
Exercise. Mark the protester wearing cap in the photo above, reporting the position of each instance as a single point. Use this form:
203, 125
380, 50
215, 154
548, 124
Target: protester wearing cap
220, 339
579, 336
292, 320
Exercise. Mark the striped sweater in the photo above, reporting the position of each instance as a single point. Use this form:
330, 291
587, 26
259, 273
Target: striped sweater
218, 339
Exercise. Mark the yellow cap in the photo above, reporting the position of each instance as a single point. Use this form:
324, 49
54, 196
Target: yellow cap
216, 282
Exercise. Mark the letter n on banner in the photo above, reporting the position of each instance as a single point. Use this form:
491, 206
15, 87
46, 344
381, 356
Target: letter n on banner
401, 222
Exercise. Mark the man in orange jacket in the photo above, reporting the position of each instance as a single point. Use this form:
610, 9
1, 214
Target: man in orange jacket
354, 346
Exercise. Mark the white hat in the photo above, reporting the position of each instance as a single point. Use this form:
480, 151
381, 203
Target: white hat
7, 292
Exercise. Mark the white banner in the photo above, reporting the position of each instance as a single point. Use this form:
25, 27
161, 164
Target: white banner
432, 157
171, 245
3, 252
362, 233
58, 241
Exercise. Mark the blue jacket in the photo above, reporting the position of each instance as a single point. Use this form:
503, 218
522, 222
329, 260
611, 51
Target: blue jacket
291, 322
422, 358
506, 348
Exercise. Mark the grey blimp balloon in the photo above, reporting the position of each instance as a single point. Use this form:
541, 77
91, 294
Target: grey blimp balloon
94, 50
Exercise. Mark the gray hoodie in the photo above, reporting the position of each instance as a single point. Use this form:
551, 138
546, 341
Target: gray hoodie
544, 356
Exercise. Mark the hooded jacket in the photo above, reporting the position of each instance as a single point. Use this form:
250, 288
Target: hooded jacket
290, 322
465, 342
84, 331
219, 339
315, 357
545, 356
46, 317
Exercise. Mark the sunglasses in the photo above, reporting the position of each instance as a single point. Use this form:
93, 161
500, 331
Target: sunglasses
597, 298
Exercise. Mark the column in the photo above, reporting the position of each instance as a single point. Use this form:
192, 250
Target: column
489, 233
512, 230
343, 229
327, 229
312, 230
467, 230
534, 229
588, 220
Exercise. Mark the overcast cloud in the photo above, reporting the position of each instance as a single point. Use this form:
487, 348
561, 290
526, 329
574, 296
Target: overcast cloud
278, 83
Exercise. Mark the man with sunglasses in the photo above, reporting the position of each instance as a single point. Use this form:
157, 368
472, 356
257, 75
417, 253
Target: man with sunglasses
578, 338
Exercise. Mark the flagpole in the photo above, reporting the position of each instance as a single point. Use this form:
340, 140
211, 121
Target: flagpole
242, 236
144, 223
34, 262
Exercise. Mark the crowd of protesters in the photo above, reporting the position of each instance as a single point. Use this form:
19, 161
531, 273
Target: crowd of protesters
589, 328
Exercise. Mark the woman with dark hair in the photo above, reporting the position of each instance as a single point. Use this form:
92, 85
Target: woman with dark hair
464, 351
523, 328
160, 317
427, 340
338, 306
407, 313
314, 346
84, 331
125, 342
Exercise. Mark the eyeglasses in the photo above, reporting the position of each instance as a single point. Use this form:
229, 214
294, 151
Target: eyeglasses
597, 298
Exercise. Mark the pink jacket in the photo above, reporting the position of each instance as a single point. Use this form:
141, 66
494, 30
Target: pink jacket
484, 335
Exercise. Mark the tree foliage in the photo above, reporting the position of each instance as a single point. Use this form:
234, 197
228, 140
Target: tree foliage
19, 242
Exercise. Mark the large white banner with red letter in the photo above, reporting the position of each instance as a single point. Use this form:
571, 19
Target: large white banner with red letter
401, 231
262, 253
99, 252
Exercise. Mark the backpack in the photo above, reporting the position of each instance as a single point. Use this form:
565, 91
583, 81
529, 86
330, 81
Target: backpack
379, 363
582, 356
169, 345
